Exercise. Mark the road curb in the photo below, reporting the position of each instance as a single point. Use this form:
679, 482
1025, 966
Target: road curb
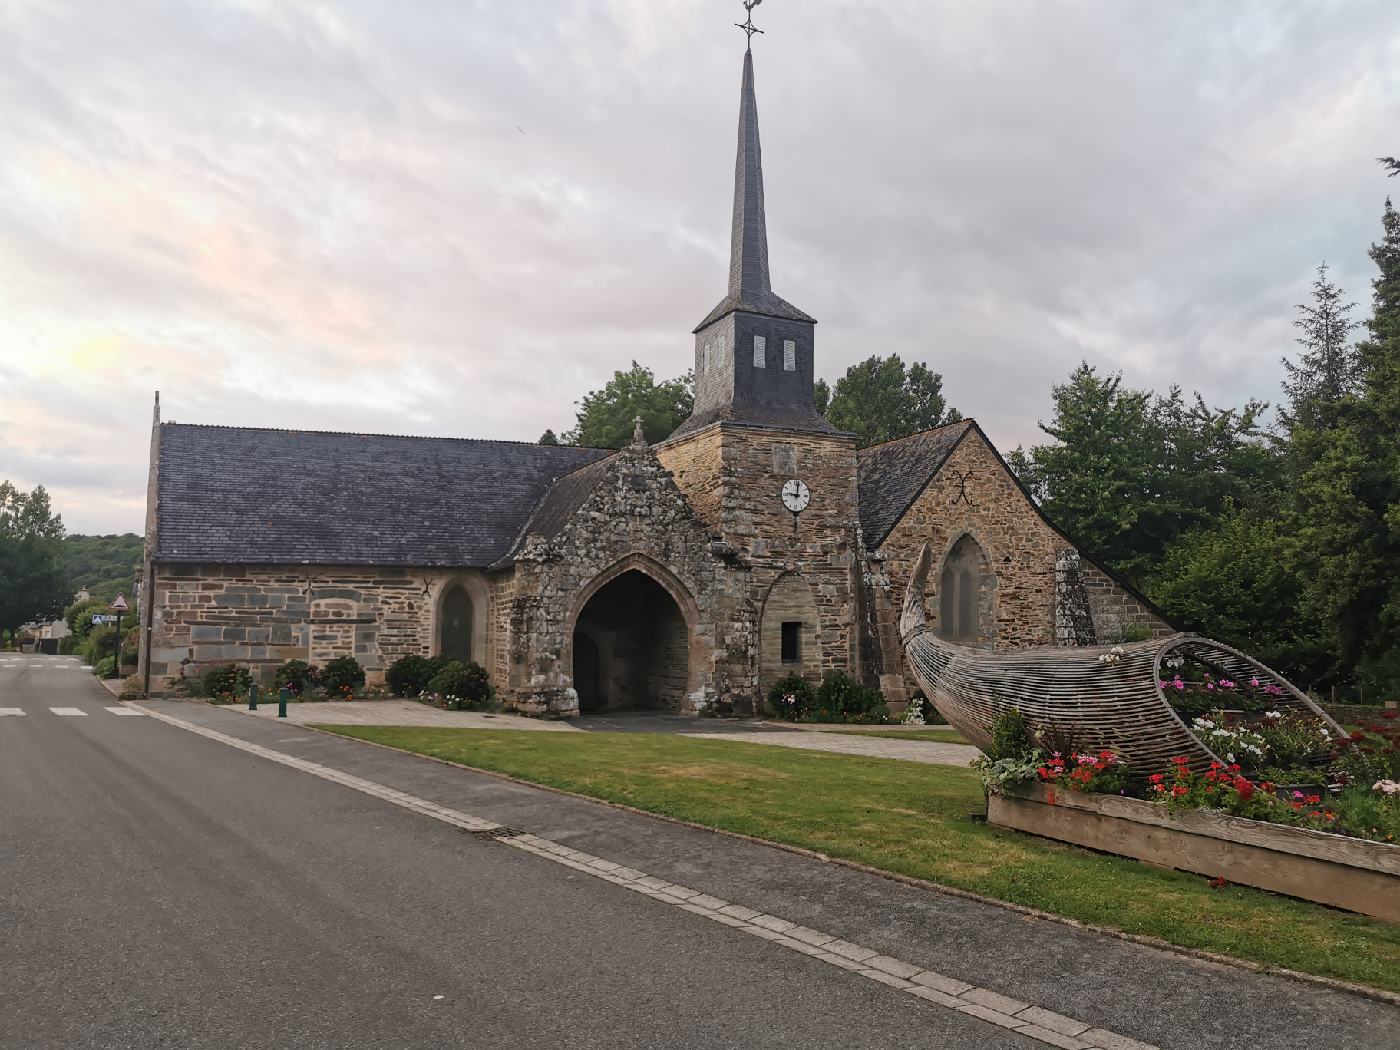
1331, 983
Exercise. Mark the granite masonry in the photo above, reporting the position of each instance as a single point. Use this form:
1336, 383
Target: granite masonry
676, 576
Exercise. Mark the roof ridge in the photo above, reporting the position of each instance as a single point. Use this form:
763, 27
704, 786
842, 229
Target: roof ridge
381, 434
921, 433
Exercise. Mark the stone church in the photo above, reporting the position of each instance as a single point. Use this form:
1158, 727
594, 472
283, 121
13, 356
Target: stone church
755, 541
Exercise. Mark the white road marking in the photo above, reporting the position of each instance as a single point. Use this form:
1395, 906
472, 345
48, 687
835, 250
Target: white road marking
4, 711
86, 667
69, 712
125, 711
984, 1004
38, 665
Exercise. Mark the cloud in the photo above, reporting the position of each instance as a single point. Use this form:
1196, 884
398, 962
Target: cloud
458, 217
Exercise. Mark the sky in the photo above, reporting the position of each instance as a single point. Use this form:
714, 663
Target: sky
452, 217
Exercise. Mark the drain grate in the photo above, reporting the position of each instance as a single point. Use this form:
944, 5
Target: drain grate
495, 833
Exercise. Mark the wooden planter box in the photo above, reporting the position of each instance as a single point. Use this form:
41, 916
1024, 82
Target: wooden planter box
1348, 873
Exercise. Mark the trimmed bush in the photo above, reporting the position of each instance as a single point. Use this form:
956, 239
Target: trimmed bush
104, 667
298, 676
842, 699
409, 675
226, 682
462, 686
342, 676
1011, 738
792, 698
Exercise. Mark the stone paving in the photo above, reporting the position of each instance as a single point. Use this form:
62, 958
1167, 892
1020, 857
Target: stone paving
399, 713
411, 713
927, 751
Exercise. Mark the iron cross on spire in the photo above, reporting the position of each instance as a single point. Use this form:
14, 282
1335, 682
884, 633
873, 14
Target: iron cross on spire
747, 26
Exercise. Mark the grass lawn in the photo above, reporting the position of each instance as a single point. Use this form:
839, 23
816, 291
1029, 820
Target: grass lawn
942, 736
912, 819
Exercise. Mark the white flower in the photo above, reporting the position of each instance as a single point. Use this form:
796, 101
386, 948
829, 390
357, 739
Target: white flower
1386, 787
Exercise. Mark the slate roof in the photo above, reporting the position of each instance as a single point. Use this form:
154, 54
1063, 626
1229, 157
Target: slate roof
262, 497
893, 475
750, 284
804, 418
564, 499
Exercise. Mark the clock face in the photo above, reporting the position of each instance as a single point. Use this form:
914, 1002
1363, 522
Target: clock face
796, 496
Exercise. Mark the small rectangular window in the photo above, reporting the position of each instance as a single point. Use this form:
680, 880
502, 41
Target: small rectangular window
792, 643
789, 356
760, 352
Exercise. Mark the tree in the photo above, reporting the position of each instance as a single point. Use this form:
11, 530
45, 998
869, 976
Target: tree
102, 564
1328, 369
1130, 472
880, 400
1391, 164
605, 417
31, 535
549, 438
821, 396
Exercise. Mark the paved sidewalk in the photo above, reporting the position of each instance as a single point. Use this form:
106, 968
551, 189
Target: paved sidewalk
927, 751
411, 713
1035, 971
397, 713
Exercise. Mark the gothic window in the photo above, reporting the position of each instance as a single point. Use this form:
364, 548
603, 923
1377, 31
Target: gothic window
965, 595
760, 352
455, 625
789, 356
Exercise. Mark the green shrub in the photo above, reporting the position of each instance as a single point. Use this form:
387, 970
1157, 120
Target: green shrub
842, 699
104, 667
228, 680
462, 686
409, 675
342, 677
792, 698
298, 676
1011, 738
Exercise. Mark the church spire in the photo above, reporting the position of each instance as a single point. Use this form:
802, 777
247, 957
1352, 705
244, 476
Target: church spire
750, 284
748, 246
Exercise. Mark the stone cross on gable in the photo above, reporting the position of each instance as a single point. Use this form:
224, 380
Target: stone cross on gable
639, 437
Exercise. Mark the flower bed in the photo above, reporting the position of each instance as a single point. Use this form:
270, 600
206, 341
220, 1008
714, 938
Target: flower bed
1344, 872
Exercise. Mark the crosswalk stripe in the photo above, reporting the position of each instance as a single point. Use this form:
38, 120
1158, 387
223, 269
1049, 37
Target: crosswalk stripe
10, 711
69, 712
125, 711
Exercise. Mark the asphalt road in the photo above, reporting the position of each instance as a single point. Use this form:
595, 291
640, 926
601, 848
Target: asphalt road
163, 890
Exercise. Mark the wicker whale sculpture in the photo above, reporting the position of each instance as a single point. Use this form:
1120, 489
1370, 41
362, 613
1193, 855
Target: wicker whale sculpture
1104, 697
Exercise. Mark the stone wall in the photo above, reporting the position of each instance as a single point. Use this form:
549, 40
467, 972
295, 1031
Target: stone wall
635, 520
260, 617
736, 473
973, 494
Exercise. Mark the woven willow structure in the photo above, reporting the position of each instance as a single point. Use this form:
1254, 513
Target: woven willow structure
1118, 703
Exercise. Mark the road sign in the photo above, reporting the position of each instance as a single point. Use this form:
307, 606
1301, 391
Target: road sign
119, 604
100, 618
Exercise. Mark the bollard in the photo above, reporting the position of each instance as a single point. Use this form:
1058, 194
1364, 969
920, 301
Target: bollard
282, 702
253, 697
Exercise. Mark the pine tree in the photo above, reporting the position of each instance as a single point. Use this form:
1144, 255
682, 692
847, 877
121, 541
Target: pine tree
549, 438
1327, 371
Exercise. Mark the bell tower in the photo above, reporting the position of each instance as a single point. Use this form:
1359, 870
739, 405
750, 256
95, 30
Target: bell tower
771, 478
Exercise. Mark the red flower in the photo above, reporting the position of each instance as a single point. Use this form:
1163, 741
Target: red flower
1179, 790
1218, 883
1313, 800
1156, 778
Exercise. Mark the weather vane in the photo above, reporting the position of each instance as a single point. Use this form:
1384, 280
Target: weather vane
748, 26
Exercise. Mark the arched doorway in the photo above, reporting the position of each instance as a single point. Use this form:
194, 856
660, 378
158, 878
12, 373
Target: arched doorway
631, 647
455, 623
967, 595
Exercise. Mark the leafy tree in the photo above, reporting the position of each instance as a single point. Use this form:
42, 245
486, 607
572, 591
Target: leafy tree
881, 400
549, 438
31, 535
1234, 581
102, 564
605, 417
1391, 165
821, 396
1328, 369
1130, 472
